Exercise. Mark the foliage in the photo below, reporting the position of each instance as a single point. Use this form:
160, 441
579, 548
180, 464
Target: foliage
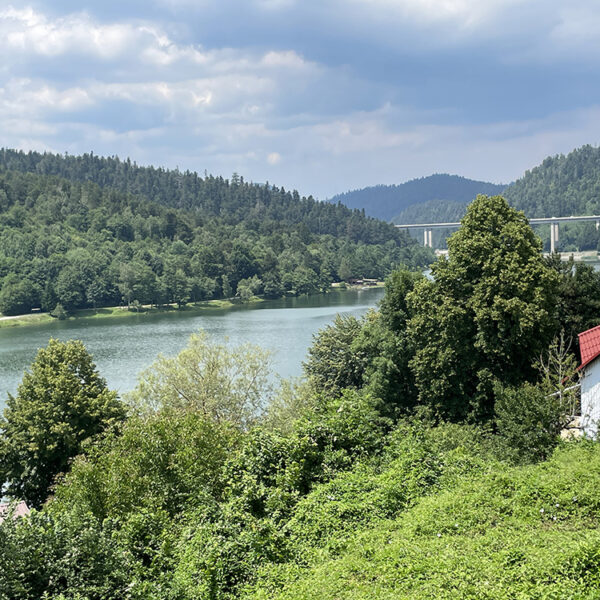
61, 402
487, 314
332, 365
223, 384
386, 342
502, 533
293, 399
94, 232
273, 471
577, 297
529, 421
529, 418
17, 296
167, 461
66, 553
373, 352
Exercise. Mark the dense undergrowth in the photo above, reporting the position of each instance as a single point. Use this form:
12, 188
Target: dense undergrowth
176, 507
498, 532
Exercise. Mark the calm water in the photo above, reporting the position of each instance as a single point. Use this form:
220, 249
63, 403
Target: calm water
123, 347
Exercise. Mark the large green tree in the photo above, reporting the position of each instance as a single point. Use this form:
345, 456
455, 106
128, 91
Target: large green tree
61, 402
385, 339
486, 315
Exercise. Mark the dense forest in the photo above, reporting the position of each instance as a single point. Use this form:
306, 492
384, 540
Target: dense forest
560, 186
87, 232
388, 201
433, 211
419, 458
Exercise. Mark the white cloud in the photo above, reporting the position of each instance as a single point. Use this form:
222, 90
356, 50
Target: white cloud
27, 98
274, 158
27, 31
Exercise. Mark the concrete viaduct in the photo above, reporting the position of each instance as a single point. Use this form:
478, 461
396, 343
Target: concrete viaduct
552, 221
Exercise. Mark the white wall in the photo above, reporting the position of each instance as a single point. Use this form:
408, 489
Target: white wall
590, 398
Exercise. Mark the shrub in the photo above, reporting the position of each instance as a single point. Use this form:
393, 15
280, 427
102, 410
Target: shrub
529, 421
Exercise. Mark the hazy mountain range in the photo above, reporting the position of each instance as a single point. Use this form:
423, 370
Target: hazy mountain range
439, 192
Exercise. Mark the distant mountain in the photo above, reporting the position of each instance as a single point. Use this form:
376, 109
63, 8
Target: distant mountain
433, 211
560, 186
388, 201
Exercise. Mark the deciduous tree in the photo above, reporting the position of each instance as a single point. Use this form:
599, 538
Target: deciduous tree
61, 402
221, 383
487, 314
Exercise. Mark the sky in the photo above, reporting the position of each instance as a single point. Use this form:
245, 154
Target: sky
322, 96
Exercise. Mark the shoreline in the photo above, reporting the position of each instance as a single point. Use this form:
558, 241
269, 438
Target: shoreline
111, 312
115, 312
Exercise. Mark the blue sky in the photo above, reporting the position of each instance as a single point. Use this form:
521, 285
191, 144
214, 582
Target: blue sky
318, 95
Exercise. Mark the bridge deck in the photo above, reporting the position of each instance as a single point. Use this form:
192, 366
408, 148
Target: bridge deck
540, 221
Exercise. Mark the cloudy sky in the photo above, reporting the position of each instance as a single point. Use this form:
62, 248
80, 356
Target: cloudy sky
318, 95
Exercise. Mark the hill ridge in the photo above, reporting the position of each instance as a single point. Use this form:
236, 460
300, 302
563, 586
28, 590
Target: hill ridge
388, 201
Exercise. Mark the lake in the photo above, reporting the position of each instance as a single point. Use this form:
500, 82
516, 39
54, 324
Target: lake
124, 346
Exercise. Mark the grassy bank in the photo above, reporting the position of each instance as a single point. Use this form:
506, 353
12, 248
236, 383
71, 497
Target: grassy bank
113, 312
342, 285
30, 319
524, 532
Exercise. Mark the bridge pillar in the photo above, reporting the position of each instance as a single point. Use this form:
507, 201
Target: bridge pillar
553, 236
597, 225
428, 238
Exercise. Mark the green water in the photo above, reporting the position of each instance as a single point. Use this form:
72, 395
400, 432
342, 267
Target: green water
123, 347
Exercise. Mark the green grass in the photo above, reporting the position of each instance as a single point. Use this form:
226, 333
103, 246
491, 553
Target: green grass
521, 532
112, 312
21, 320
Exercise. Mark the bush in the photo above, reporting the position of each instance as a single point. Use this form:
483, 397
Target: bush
59, 312
46, 554
168, 461
529, 421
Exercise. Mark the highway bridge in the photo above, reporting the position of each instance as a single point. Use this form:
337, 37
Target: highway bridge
552, 221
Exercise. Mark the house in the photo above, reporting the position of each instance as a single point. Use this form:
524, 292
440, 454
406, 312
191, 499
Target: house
589, 346
20, 510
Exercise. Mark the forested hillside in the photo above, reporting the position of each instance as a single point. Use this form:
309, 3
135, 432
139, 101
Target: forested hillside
88, 232
388, 201
560, 186
433, 211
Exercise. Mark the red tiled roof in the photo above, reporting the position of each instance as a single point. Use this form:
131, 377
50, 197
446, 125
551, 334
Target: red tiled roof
589, 345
